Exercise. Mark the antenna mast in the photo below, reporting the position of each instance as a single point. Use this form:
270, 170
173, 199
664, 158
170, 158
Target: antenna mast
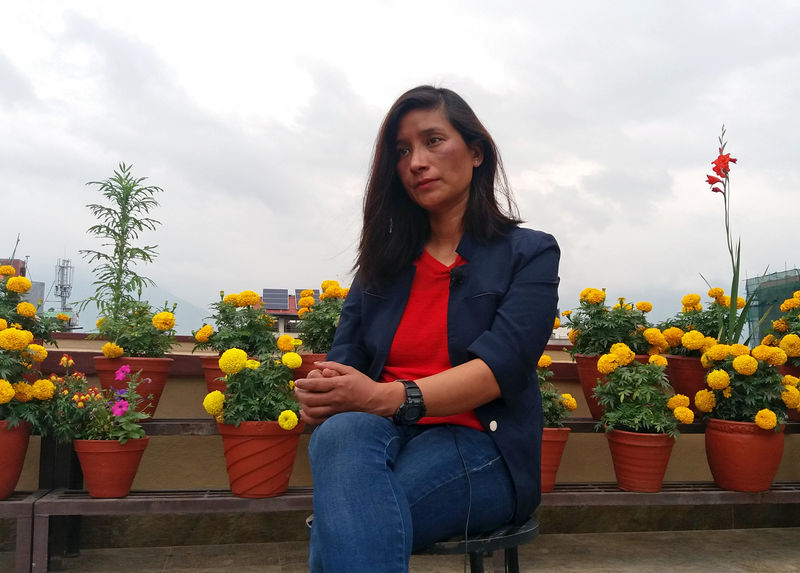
63, 281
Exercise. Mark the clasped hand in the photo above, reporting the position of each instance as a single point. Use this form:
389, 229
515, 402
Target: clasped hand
334, 388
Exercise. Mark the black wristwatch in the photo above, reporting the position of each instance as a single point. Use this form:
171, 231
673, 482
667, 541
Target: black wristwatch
413, 409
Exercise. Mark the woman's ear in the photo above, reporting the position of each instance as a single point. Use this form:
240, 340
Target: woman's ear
477, 155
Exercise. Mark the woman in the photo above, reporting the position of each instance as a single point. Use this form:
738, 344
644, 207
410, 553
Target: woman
451, 307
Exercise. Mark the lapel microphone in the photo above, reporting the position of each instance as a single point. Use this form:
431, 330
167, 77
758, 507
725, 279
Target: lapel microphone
457, 276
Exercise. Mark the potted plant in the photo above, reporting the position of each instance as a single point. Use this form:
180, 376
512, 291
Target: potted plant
238, 322
318, 322
137, 334
104, 427
594, 328
746, 402
640, 425
15, 310
785, 333
257, 417
555, 409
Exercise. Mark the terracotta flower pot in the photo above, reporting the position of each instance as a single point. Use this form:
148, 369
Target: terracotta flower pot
108, 466
307, 365
151, 380
589, 378
742, 456
687, 376
640, 460
13, 446
553, 442
213, 374
259, 457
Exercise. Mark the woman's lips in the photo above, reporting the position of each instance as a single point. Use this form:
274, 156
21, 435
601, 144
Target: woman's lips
424, 183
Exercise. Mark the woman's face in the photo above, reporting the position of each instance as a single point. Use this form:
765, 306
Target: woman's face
434, 163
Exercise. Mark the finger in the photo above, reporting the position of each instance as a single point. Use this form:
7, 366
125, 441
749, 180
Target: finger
315, 374
337, 366
309, 419
316, 384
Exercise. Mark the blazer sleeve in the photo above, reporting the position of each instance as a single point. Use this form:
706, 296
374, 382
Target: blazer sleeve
347, 347
525, 314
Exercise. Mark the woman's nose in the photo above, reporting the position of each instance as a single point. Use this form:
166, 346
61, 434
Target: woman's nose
419, 159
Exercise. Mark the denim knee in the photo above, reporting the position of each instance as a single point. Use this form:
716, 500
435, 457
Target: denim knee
345, 434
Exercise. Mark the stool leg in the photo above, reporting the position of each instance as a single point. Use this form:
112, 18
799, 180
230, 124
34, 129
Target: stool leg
512, 560
476, 562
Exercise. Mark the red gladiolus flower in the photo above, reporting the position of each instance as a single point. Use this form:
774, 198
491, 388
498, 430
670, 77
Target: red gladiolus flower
721, 166
716, 190
713, 180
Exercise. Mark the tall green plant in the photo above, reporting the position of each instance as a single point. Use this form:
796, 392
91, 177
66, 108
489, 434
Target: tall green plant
120, 224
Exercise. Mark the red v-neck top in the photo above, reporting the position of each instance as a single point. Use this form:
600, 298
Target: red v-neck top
419, 347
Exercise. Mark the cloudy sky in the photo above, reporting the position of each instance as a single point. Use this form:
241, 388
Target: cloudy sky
258, 120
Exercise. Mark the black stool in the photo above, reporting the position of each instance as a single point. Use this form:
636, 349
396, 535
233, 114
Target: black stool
507, 537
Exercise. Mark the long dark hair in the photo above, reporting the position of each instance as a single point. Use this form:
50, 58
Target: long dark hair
395, 228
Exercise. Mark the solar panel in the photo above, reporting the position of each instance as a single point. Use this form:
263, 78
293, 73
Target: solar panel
276, 298
297, 292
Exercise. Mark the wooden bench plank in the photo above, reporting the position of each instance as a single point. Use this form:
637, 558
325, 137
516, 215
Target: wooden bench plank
20, 507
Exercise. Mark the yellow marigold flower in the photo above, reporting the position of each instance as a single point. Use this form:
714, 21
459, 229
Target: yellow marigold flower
739, 350
693, 340
716, 292
37, 352
26, 309
777, 357
727, 392
232, 360
566, 313
291, 384
644, 306
569, 402
23, 391
252, 364
15, 339
3, 324
607, 363
690, 299
790, 304
204, 333
18, 284
791, 396
683, 414
658, 360
719, 352
678, 400
7, 270
573, 336
287, 420
297, 342
708, 342
544, 361
673, 335
231, 298
306, 302
724, 301
796, 294
746, 365
306, 292
163, 320
328, 284
285, 343
780, 325
214, 402
593, 295
718, 379
6, 391
248, 298
766, 419
623, 353
655, 337
43, 389
790, 344
556, 323
740, 302
292, 360
706, 361
99, 322
220, 418
111, 350
705, 400
62, 317
789, 380
302, 311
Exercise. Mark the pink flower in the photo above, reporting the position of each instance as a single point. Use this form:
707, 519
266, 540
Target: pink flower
122, 372
119, 407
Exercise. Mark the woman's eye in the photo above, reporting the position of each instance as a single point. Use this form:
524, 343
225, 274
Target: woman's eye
434, 139
402, 152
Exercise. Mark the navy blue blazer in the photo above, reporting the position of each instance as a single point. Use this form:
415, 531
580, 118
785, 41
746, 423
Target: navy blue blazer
501, 309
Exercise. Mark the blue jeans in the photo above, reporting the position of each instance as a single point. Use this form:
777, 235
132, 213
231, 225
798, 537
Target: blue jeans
381, 490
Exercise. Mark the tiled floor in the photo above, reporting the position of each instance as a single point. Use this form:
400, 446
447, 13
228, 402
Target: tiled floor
729, 551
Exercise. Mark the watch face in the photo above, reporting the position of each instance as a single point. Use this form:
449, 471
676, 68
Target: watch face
414, 413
